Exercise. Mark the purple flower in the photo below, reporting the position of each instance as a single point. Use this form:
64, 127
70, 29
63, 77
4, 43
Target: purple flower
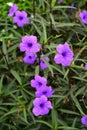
29, 44
70, 9
46, 91
85, 66
64, 56
41, 106
60, 1
20, 18
84, 120
43, 65
38, 82
83, 16
12, 10
30, 58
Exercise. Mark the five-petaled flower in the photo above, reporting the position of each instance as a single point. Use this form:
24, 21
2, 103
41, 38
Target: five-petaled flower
29, 44
20, 18
45, 90
12, 10
83, 16
41, 106
64, 56
38, 82
30, 58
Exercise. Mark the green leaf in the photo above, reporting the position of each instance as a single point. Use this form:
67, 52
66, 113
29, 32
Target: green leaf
16, 76
62, 7
12, 48
77, 103
12, 111
4, 48
1, 84
54, 119
25, 114
78, 54
37, 70
15, 32
66, 128
66, 24
44, 122
44, 33
69, 112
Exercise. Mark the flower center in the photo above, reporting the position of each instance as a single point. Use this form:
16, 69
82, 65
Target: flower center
39, 83
20, 17
44, 92
41, 105
85, 16
30, 57
29, 44
64, 54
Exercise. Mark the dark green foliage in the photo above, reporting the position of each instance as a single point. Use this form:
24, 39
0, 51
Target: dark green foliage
52, 24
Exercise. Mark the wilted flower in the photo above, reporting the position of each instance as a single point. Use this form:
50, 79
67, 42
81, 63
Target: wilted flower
43, 65
12, 10
38, 82
83, 16
30, 58
84, 120
77, 14
41, 106
45, 90
70, 9
20, 18
64, 56
29, 44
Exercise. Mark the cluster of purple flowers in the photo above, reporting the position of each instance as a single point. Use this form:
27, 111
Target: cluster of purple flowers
41, 103
30, 46
19, 17
64, 56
